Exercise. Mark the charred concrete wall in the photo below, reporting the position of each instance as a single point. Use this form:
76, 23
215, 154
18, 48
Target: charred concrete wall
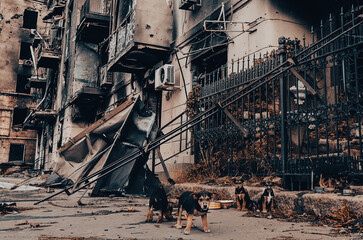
17, 145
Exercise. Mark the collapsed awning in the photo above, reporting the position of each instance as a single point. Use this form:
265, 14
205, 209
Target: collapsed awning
127, 128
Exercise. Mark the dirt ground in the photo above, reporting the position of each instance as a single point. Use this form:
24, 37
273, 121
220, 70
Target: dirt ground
123, 218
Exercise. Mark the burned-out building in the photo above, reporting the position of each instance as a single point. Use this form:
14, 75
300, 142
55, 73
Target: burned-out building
19, 23
243, 86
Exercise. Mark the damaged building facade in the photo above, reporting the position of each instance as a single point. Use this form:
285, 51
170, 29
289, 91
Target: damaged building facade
19, 20
106, 61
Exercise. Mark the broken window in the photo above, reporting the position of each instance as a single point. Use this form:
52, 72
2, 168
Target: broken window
125, 9
19, 116
25, 51
17, 152
206, 58
21, 84
210, 62
30, 19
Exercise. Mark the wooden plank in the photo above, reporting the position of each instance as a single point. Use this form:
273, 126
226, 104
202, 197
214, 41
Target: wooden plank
234, 120
306, 84
95, 125
170, 180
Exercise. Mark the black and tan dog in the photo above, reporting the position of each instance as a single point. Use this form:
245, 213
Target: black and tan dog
159, 202
243, 199
195, 204
267, 199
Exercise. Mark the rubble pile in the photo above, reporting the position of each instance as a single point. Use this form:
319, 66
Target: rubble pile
18, 171
6, 208
343, 220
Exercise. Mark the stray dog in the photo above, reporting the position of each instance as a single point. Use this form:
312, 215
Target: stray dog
242, 197
194, 204
267, 201
159, 202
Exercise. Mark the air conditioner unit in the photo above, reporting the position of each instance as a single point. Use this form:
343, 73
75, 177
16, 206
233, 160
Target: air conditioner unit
105, 78
165, 76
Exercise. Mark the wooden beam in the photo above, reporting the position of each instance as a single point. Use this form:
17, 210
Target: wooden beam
95, 125
171, 181
234, 120
301, 79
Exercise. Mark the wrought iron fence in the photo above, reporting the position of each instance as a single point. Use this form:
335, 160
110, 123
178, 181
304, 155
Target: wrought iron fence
301, 105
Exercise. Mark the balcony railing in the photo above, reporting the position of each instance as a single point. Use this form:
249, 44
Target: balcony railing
49, 51
94, 24
142, 38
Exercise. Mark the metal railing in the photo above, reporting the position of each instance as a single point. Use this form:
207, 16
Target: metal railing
94, 7
301, 105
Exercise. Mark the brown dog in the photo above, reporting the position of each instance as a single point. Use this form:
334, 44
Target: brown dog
195, 204
243, 199
267, 200
159, 202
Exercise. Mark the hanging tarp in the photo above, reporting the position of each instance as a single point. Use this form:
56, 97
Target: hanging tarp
106, 141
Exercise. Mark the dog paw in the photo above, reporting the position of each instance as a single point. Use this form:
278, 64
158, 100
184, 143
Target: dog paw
186, 232
238, 209
206, 230
258, 211
179, 226
264, 211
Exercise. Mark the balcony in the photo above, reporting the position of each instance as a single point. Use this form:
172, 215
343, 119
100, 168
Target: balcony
37, 82
34, 119
94, 25
190, 5
142, 39
88, 96
44, 115
49, 53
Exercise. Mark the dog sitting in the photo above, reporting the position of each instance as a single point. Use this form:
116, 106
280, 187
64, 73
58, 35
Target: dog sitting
243, 199
159, 202
267, 200
195, 204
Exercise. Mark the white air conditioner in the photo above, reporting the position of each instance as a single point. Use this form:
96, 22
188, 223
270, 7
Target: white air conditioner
164, 77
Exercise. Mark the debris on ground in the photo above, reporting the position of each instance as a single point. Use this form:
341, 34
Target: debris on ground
343, 220
14, 187
68, 238
6, 208
35, 225
18, 171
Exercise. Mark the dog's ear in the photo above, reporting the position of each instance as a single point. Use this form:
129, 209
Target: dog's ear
195, 195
